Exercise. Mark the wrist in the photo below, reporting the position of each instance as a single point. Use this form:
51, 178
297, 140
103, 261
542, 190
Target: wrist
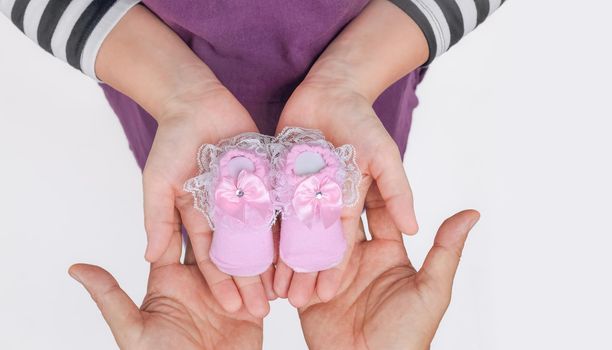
153, 73
205, 109
379, 47
335, 73
317, 98
190, 91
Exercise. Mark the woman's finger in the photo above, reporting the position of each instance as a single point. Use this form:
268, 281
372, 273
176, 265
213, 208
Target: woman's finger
267, 279
387, 169
282, 279
302, 288
172, 255
329, 281
121, 314
221, 285
380, 224
253, 295
189, 256
159, 215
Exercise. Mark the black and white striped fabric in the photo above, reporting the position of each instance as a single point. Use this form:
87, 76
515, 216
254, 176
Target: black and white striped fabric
445, 22
72, 30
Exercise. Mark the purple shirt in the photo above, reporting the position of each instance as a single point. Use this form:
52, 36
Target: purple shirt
261, 51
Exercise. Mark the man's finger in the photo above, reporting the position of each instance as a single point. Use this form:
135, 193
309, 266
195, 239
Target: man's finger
119, 311
387, 169
443, 259
159, 214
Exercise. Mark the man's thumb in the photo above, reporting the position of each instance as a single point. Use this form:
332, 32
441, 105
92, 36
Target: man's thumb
443, 259
119, 311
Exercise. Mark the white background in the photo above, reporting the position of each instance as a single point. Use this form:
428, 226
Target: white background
514, 121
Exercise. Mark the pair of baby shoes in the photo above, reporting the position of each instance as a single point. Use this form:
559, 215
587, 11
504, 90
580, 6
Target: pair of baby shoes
246, 180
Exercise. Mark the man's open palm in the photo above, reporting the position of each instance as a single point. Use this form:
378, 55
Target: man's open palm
384, 303
178, 312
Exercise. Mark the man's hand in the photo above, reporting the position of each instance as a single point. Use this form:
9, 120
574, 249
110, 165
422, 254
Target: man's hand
384, 303
178, 312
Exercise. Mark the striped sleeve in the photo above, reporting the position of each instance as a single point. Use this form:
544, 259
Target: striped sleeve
72, 30
445, 22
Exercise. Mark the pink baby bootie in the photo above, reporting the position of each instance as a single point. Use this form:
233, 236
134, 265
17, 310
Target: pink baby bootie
233, 191
313, 181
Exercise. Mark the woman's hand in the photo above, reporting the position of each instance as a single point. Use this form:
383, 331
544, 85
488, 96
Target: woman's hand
178, 312
346, 117
384, 303
203, 117
377, 48
144, 59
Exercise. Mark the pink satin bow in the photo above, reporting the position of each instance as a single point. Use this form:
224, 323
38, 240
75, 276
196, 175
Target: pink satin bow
248, 190
316, 197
